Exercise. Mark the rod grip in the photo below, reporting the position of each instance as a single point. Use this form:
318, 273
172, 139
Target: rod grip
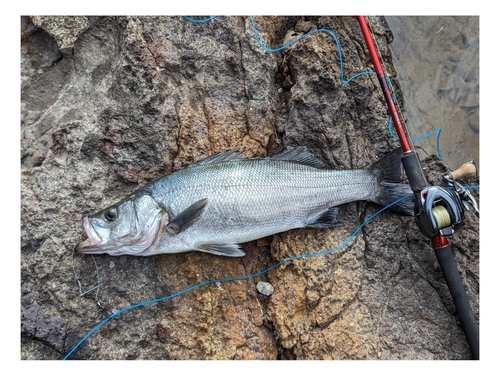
414, 171
468, 321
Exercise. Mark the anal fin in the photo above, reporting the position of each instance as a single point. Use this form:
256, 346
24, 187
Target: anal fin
326, 219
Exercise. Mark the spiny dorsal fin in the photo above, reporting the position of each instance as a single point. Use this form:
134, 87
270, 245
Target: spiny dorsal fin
299, 155
222, 156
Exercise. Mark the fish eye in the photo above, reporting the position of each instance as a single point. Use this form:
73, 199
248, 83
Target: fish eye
111, 214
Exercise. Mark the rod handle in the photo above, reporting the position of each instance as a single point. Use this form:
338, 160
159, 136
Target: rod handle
466, 171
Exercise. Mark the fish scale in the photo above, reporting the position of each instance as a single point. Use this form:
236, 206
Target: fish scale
274, 194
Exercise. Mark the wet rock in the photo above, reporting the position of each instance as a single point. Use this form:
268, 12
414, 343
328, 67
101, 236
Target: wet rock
139, 97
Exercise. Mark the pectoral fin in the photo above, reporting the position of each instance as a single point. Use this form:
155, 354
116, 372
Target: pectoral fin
186, 218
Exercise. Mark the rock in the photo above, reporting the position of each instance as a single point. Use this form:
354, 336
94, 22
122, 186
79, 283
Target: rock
265, 288
304, 26
64, 29
116, 102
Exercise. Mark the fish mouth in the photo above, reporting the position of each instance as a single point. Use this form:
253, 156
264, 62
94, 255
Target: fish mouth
136, 243
94, 239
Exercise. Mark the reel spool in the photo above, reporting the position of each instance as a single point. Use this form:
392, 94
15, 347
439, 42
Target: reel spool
438, 211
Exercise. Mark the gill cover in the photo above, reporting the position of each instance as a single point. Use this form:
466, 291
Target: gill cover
130, 227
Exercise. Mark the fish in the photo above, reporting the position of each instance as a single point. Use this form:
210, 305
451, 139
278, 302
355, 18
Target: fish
219, 202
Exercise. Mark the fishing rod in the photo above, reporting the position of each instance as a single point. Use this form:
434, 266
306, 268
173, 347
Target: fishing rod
437, 210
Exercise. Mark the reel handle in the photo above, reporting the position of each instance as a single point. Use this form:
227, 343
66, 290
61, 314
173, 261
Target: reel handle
466, 171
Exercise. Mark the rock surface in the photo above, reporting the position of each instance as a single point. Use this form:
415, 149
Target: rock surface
111, 103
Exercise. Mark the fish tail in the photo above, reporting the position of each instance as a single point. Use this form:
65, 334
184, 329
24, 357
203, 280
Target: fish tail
389, 173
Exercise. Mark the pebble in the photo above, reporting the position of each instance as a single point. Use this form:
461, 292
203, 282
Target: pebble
265, 288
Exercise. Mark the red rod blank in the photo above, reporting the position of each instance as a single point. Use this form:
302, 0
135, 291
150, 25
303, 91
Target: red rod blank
405, 145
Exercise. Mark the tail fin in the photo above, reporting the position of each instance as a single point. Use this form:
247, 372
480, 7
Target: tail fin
389, 173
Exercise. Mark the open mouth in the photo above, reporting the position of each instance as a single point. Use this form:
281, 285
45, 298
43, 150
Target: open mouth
93, 240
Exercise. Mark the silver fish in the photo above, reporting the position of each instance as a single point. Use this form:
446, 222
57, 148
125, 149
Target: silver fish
217, 203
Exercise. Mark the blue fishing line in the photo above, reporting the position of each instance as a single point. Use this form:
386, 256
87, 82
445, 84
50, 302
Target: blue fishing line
231, 279
438, 138
342, 82
199, 21
437, 131
357, 75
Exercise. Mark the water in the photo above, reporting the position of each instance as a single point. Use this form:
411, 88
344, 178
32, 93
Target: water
437, 60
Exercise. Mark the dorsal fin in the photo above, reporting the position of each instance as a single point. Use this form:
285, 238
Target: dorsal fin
299, 155
222, 156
